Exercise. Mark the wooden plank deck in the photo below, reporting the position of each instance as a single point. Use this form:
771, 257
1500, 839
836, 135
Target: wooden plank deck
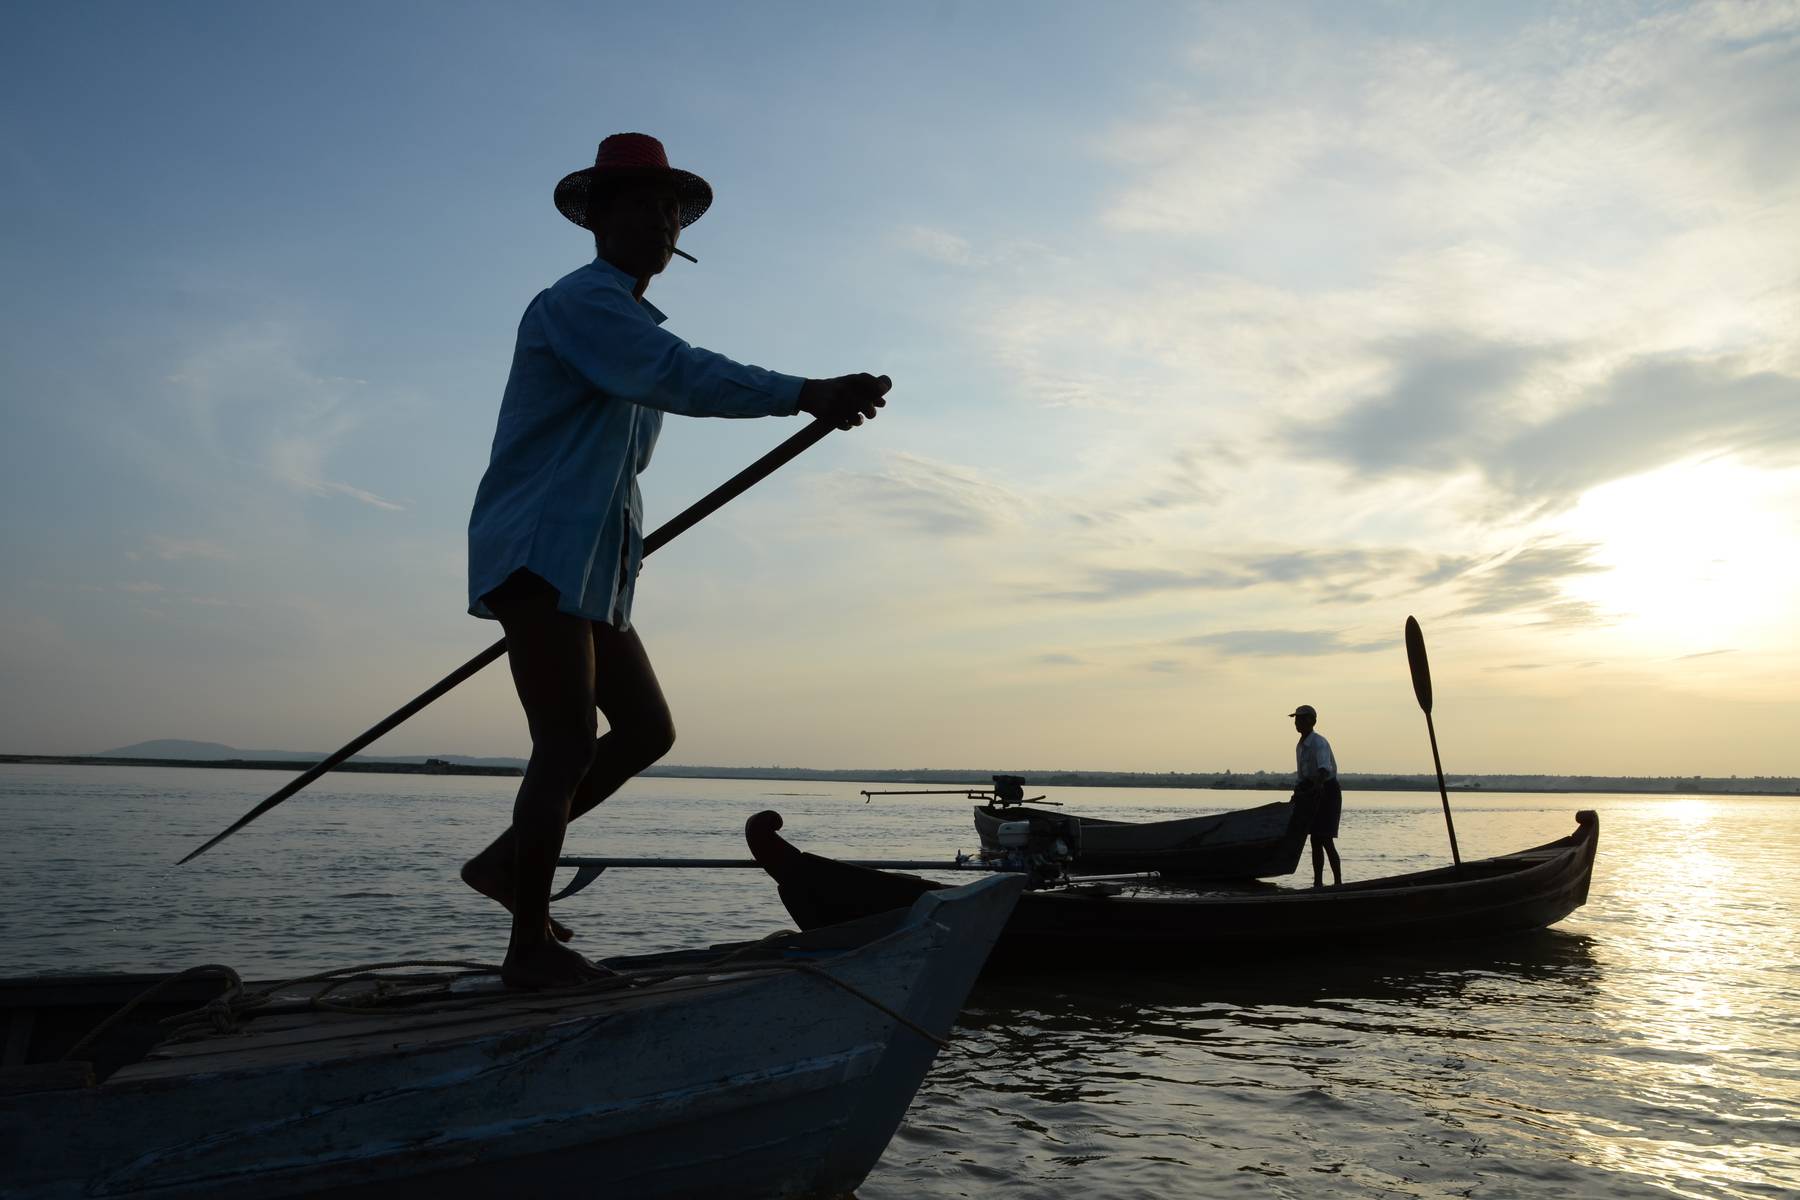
297, 1032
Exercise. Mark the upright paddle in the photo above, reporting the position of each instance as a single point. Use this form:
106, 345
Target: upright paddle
1421, 676
714, 500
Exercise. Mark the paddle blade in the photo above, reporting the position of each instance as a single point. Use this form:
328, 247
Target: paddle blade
1421, 667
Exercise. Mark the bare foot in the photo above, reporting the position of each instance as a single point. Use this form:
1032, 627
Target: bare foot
496, 888
548, 965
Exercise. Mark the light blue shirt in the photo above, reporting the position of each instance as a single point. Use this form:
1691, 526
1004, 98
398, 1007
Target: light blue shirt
592, 374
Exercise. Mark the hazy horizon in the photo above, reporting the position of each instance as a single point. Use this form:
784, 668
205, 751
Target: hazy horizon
1224, 338
168, 747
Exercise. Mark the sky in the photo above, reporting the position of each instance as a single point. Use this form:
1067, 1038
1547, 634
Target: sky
1223, 338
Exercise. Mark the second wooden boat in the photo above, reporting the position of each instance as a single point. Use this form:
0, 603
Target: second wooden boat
1153, 924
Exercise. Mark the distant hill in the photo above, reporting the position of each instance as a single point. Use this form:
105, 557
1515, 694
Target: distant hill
200, 751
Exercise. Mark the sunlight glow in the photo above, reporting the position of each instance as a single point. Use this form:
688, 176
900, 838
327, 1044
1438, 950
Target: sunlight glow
1696, 554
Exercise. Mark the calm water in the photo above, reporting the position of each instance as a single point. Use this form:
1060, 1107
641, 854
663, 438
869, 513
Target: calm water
1650, 1046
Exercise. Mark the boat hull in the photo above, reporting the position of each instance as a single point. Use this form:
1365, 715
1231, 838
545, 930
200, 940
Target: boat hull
1249, 843
1103, 926
772, 1083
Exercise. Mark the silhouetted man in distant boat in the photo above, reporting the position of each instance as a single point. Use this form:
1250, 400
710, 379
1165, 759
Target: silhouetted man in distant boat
1316, 770
556, 535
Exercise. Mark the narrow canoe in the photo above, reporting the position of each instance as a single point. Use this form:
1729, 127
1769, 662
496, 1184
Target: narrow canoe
776, 1068
1155, 925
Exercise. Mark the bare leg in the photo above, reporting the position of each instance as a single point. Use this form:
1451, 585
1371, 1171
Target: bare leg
639, 728
1337, 868
639, 732
551, 655
1318, 862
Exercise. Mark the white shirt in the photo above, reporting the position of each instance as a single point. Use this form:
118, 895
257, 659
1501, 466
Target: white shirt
1313, 759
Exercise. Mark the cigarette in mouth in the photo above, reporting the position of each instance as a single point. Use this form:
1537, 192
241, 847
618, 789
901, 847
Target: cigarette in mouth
675, 250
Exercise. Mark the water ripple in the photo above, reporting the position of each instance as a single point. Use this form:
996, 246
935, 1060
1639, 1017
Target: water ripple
1650, 1046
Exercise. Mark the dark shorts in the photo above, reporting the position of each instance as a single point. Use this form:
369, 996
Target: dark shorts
524, 594
1331, 807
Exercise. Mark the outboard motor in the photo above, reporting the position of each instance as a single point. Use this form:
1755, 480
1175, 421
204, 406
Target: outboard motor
1008, 790
1042, 846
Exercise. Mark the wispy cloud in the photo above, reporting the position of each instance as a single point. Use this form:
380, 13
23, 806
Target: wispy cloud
1447, 567
1519, 129
1187, 478
1450, 399
296, 461
934, 498
1285, 643
938, 245
1331, 567
1126, 582
173, 549
1324, 574
1530, 581
1203, 168
250, 396
948, 249
1648, 414
1466, 410
1560, 260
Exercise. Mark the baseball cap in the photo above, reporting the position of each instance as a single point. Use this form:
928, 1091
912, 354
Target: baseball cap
1305, 710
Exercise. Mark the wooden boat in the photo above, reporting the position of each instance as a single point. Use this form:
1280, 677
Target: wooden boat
774, 1068
1249, 843
1150, 924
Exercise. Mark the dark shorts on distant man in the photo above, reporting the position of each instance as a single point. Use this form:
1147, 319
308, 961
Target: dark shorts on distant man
1330, 808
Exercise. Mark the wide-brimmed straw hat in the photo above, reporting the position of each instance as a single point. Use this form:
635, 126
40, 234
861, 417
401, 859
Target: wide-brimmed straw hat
624, 157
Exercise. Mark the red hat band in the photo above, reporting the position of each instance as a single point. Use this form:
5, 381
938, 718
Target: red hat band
631, 152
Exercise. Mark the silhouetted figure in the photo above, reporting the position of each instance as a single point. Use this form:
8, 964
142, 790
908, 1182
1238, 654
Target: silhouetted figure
555, 538
1316, 772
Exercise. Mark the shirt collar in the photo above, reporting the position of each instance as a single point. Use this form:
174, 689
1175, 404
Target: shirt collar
612, 272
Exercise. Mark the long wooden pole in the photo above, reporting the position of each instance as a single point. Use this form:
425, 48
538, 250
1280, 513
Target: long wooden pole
714, 500
589, 869
1421, 678
750, 864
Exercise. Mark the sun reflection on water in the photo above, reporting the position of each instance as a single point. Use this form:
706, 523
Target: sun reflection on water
1687, 1003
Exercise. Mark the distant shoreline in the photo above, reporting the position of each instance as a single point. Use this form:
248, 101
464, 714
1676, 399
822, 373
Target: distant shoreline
374, 767
1260, 781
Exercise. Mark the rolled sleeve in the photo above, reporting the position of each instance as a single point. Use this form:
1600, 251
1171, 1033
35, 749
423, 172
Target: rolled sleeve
606, 337
592, 375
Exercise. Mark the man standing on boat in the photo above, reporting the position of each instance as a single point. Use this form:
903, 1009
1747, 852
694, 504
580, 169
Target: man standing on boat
1316, 770
555, 538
